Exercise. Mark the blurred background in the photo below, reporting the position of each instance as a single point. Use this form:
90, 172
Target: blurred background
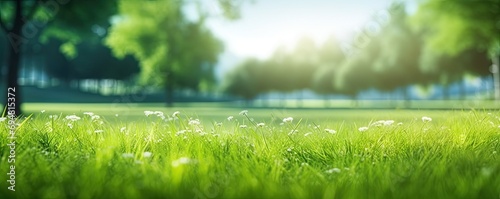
280, 53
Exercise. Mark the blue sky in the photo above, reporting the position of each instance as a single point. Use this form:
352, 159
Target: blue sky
266, 24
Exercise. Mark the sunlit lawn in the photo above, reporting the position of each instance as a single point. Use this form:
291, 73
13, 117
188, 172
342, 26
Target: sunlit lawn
199, 153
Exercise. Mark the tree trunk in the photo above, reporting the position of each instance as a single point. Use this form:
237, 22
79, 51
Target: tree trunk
445, 89
170, 91
406, 96
496, 75
16, 41
463, 90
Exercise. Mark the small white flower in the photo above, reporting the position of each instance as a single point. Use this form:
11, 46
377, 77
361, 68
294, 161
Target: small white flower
95, 117
287, 119
307, 134
243, 126
244, 112
426, 119
363, 129
98, 131
147, 113
289, 149
88, 113
70, 125
194, 122
261, 124
183, 161
147, 154
2, 119
158, 113
334, 170
43, 111
73, 118
230, 118
378, 123
388, 122
128, 155
218, 123
176, 114
180, 132
123, 129
331, 131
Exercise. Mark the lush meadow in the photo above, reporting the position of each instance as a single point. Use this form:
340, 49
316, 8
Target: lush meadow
194, 152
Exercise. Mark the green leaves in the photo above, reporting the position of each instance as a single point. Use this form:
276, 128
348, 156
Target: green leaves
172, 50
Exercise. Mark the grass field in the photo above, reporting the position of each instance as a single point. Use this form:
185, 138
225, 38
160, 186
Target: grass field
263, 153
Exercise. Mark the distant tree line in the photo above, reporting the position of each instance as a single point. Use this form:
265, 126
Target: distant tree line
393, 57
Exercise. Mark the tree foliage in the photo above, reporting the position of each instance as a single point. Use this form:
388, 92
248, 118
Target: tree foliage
24, 20
173, 51
395, 56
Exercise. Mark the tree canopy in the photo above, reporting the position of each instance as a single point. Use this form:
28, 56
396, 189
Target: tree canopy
174, 52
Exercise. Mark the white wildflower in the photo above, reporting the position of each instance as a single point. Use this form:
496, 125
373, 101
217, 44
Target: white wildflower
289, 149
261, 124
307, 134
363, 129
128, 155
218, 123
43, 111
95, 117
334, 170
88, 113
378, 123
147, 113
331, 131
180, 132
147, 154
123, 129
2, 119
70, 125
388, 122
287, 119
230, 118
183, 161
194, 122
158, 113
244, 112
98, 131
426, 119
73, 118
243, 126
176, 114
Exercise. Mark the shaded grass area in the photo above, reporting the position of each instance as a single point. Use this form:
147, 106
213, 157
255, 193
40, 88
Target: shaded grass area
201, 154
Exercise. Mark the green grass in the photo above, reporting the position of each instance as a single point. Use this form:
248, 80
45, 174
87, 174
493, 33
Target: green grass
453, 156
